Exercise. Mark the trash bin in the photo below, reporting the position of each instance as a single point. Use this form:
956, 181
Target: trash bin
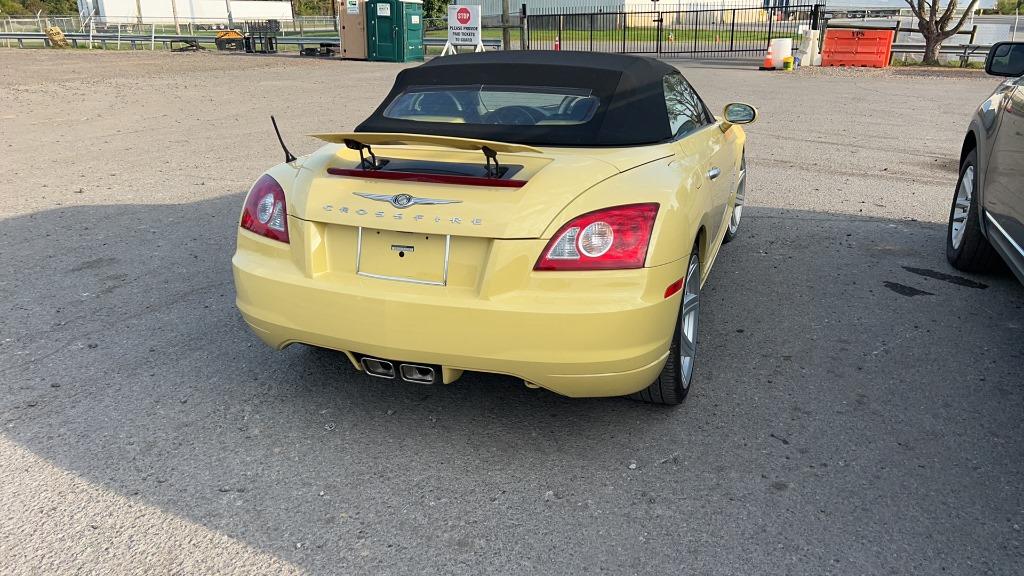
394, 30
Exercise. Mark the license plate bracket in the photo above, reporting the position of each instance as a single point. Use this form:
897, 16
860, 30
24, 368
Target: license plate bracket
403, 256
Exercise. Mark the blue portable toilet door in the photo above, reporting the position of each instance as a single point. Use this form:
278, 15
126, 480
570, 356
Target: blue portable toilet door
383, 31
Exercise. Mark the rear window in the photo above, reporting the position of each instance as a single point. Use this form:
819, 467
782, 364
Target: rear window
482, 104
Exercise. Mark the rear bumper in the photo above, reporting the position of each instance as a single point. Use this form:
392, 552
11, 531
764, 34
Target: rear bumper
575, 333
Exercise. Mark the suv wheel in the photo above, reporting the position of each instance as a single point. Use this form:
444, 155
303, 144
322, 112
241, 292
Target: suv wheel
966, 247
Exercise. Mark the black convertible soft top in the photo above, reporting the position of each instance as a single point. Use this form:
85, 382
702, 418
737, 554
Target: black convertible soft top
629, 88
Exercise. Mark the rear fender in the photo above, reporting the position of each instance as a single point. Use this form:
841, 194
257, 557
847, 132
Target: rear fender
674, 183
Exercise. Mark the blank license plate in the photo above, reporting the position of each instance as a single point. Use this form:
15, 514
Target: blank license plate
403, 256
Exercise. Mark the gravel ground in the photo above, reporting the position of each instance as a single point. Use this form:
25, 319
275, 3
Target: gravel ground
857, 407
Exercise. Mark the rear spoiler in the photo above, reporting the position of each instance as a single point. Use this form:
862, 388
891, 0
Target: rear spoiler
399, 139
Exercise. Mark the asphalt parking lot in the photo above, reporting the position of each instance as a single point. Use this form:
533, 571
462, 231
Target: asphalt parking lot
857, 406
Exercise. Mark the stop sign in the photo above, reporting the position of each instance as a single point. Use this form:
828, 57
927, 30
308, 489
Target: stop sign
463, 16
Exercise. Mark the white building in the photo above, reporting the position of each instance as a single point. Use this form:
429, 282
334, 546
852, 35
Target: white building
195, 11
491, 7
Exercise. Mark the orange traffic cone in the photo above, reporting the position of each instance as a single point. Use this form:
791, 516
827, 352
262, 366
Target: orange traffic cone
769, 63
558, 43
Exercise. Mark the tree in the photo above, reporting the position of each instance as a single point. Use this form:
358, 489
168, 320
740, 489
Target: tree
435, 8
431, 8
13, 8
936, 27
1009, 6
30, 7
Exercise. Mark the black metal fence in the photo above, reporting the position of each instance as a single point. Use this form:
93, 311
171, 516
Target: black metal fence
698, 33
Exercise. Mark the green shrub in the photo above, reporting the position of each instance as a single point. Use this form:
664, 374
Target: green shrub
1009, 6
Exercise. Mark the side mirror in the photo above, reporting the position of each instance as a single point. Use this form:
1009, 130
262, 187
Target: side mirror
738, 113
1005, 59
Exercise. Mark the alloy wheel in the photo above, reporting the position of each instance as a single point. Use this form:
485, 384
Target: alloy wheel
962, 207
688, 321
741, 189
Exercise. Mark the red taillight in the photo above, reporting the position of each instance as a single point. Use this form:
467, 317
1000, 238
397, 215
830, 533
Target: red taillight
265, 212
612, 238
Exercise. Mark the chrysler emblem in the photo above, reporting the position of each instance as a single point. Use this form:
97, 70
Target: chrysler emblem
404, 200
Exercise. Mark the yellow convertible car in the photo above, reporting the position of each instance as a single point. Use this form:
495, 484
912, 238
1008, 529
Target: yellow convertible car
545, 215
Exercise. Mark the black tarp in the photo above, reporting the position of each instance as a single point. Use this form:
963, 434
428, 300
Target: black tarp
630, 90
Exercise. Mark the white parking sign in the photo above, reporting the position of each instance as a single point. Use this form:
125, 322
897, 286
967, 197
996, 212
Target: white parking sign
464, 25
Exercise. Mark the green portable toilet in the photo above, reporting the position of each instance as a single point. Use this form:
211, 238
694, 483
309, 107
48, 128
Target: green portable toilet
394, 30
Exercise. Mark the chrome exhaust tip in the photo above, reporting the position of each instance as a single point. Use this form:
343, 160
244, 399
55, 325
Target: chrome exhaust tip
378, 368
416, 373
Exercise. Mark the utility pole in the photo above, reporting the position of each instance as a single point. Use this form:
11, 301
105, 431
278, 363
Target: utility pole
138, 12
174, 11
1016, 19
231, 20
506, 35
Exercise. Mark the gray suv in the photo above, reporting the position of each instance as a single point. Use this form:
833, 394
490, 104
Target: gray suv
986, 220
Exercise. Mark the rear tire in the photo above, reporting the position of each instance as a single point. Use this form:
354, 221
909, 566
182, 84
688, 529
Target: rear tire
673, 384
967, 248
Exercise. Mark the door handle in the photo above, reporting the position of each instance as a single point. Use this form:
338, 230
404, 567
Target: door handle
714, 172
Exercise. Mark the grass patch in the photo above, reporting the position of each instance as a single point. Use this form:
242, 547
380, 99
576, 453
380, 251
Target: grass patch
947, 64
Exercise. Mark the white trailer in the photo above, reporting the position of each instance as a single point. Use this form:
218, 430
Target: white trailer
184, 11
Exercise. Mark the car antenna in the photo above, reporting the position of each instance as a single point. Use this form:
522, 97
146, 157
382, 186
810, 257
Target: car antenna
363, 162
288, 156
490, 155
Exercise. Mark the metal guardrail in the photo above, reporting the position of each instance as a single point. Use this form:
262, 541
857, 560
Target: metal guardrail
301, 41
896, 27
169, 40
964, 51
102, 39
165, 40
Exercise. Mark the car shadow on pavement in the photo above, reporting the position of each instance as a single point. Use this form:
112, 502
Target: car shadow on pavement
825, 340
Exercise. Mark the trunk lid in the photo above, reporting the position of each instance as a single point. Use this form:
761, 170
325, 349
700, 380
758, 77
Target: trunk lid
456, 197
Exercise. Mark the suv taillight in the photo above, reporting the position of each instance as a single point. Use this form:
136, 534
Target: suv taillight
265, 212
607, 239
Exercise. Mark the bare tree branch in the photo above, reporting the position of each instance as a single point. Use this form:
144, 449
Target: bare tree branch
914, 9
963, 18
944, 19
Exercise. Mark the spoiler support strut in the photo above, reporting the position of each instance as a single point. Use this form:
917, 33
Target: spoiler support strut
490, 155
372, 163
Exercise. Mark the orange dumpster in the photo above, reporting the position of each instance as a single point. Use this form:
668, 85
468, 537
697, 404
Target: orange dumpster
870, 48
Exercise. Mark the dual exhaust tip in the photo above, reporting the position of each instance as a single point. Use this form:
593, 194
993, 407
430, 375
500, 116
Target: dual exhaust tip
415, 373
